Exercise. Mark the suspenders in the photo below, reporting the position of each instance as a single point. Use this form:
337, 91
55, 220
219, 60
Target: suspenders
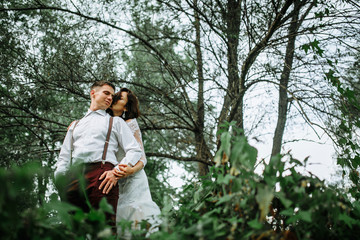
105, 145
107, 141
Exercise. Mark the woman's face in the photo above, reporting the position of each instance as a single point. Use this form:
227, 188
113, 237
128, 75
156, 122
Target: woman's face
119, 107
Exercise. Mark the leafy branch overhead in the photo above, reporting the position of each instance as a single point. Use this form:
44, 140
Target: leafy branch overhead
193, 64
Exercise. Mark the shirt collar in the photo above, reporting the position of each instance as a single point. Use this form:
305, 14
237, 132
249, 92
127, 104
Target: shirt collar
99, 111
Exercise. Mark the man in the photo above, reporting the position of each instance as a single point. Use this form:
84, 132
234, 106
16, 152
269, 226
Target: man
84, 145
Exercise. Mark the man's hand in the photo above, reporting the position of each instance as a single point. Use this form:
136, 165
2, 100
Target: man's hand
125, 171
110, 180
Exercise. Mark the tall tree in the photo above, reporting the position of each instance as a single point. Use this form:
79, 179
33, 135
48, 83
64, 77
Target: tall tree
285, 74
192, 63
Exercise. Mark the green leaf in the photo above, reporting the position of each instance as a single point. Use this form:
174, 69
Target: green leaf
96, 216
347, 220
305, 47
225, 179
79, 216
342, 141
255, 224
224, 199
286, 202
354, 176
225, 142
287, 212
105, 206
342, 162
63, 209
292, 219
215, 211
243, 155
305, 216
356, 161
264, 197
302, 215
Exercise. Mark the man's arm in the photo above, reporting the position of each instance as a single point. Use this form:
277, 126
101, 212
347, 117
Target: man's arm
63, 162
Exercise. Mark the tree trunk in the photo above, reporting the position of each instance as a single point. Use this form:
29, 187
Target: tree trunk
284, 82
199, 133
233, 20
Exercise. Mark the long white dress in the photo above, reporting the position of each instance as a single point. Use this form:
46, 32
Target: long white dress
135, 203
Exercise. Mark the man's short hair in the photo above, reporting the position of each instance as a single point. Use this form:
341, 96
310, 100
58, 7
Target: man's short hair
102, 83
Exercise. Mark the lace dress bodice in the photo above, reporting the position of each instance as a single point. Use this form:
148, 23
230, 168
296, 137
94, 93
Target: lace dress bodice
133, 125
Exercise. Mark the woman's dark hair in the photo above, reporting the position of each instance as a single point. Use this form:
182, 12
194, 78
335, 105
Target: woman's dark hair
132, 106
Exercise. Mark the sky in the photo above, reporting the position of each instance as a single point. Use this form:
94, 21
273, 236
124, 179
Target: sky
321, 160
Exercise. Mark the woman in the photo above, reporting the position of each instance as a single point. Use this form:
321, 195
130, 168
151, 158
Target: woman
135, 202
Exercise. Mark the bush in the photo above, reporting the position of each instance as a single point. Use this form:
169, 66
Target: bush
23, 218
232, 202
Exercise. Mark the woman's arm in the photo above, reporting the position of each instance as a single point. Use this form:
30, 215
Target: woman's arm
137, 135
126, 170
134, 126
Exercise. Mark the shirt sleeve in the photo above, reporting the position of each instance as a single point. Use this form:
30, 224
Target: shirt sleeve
128, 143
63, 162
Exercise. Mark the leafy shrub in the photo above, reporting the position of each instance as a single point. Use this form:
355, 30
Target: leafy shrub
23, 218
232, 202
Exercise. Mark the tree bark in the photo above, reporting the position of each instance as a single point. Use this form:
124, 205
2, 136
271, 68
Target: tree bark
199, 123
284, 82
233, 21
233, 102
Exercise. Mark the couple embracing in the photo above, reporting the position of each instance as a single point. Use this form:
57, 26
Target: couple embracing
107, 144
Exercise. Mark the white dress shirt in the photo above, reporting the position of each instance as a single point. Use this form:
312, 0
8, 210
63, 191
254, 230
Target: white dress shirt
89, 138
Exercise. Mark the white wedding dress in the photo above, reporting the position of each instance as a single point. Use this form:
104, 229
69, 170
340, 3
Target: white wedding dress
135, 203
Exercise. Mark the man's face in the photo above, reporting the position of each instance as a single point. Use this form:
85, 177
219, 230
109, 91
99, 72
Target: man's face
102, 96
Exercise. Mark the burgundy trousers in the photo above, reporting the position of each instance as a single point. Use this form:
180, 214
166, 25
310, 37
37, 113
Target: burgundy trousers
92, 173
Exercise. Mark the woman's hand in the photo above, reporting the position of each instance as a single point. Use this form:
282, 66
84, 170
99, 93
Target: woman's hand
125, 171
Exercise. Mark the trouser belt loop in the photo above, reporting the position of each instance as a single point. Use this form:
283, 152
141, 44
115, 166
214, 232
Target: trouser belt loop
102, 163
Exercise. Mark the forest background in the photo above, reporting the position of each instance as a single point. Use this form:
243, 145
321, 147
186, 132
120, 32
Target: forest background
210, 77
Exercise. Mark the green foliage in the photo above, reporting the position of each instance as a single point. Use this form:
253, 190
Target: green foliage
22, 218
347, 104
347, 138
281, 203
233, 202
49, 59
314, 45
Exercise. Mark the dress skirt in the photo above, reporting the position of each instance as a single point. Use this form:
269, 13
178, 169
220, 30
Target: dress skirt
135, 203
